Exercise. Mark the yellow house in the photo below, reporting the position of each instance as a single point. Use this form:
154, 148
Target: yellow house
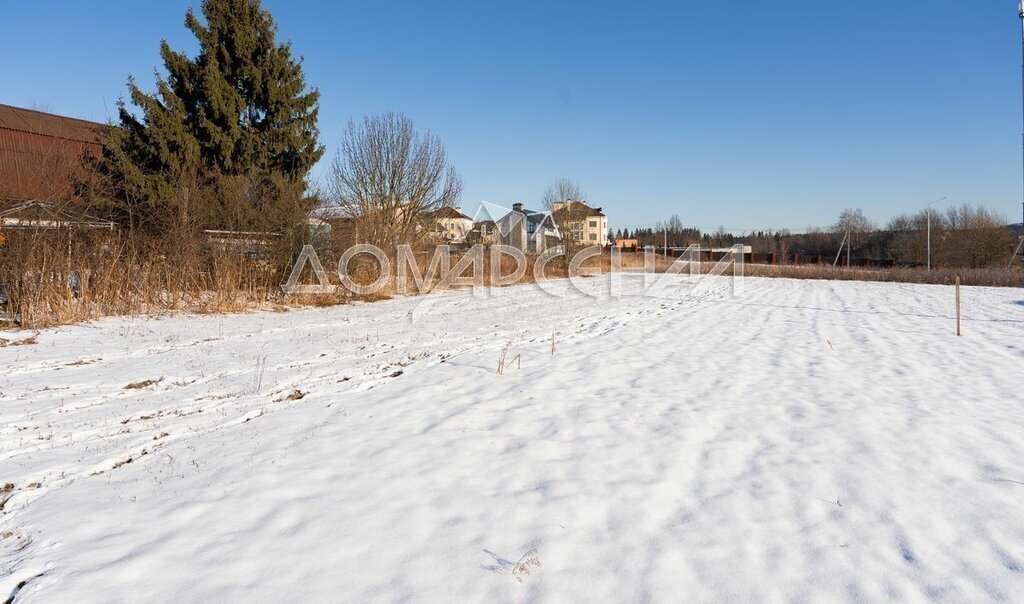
584, 224
450, 225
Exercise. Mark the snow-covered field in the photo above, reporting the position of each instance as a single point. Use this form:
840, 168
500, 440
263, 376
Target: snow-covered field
804, 441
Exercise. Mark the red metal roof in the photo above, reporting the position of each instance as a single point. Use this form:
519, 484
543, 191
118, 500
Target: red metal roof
41, 153
48, 124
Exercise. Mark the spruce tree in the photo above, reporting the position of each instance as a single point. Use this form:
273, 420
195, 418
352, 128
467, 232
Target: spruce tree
227, 138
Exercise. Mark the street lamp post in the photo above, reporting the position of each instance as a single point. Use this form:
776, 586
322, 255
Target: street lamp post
928, 210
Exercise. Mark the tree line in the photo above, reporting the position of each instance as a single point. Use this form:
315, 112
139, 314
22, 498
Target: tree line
967, 236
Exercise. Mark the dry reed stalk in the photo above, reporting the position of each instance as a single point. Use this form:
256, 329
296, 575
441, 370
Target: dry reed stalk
501, 357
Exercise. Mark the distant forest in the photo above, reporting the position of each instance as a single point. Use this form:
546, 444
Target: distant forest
964, 236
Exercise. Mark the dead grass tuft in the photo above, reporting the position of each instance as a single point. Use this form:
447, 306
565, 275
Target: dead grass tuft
501, 358
503, 365
522, 568
32, 339
143, 384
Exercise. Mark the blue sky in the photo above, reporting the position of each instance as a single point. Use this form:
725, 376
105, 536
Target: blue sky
747, 115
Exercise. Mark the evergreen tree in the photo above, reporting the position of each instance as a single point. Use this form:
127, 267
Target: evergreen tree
227, 138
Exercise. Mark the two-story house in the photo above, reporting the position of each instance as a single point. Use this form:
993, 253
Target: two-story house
584, 224
449, 225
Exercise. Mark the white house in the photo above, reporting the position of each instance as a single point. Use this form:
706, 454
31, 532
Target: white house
530, 231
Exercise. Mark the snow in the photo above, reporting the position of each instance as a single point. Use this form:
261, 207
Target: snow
800, 441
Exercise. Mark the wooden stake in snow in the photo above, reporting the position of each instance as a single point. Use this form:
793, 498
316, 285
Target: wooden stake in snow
958, 305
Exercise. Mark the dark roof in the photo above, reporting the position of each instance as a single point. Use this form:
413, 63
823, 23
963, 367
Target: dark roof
581, 207
450, 213
532, 216
538, 217
41, 153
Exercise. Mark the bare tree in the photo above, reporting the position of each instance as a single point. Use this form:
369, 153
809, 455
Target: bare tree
977, 238
854, 221
389, 179
564, 200
856, 224
908, 242
562, 191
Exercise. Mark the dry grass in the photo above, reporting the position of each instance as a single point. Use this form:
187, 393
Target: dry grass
32, 339
992, 277
57, 279
143, 384
522, 568
501, 358
68, 278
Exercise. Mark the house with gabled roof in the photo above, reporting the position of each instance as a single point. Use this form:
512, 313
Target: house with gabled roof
449, 225
586, 225
527, 230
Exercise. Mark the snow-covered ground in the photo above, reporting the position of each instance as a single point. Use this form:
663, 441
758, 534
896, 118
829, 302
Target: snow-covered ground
804, 441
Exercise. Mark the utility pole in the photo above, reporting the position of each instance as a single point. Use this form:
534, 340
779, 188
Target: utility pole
1020, 13
839, 254
928, 209
849, 239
